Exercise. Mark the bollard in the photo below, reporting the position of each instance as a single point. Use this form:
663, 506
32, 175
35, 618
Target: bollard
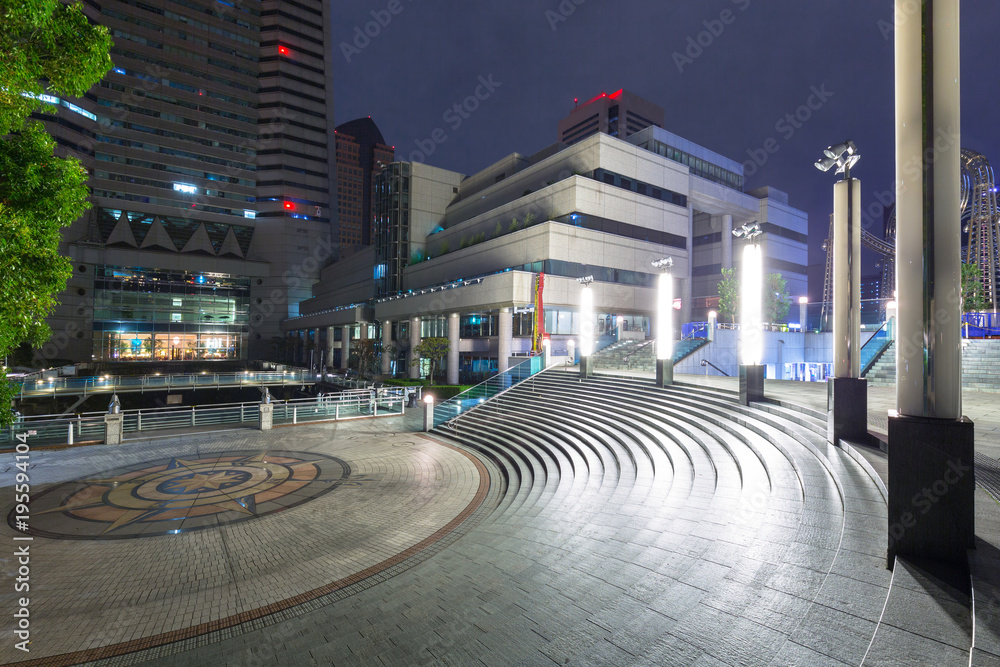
428, 412
69, 440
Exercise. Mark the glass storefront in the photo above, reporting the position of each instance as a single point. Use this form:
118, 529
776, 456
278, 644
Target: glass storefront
155, 315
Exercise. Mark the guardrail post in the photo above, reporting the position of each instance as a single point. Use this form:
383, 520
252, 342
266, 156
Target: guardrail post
295, 415
241, 413
138, 420
192, 415
69, 437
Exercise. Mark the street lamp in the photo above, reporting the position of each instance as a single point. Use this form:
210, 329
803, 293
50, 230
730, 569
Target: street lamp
751, 320
586, 325
664, 323
848, 392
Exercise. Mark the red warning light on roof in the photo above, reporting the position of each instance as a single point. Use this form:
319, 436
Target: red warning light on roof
283, 50
289, 206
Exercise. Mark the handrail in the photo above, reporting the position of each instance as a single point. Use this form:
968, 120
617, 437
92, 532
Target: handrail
706, 362
879, 349
637, 350
452, 408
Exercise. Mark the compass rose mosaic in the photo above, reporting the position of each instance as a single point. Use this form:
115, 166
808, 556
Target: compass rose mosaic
182, 494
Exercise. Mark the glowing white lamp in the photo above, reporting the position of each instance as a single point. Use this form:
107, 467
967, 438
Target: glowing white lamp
751, 297
665, 316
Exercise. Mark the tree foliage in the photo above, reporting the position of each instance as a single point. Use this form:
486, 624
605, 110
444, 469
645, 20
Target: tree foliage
46, 47
776, 299
366, 351
433, 350
973, 296
729, 295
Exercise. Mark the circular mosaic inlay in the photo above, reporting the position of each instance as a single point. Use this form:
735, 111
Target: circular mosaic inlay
176, 495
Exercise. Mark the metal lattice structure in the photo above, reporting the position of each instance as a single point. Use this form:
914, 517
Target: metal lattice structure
980, 220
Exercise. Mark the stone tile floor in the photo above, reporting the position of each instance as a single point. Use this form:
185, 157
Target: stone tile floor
583, 581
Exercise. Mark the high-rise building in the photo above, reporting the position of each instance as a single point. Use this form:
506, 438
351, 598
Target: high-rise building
361, 154
209, 146
620, 114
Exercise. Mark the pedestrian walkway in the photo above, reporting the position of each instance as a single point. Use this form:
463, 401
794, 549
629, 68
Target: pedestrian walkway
566, 522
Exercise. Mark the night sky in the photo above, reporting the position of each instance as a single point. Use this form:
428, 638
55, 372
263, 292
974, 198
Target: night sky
757, 62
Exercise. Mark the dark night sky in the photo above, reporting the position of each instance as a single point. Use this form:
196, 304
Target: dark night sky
761, 66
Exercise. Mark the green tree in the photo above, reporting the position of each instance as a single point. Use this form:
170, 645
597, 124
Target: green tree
973, 296
46, 47
433, 350
776, 299
729, 295
366, 353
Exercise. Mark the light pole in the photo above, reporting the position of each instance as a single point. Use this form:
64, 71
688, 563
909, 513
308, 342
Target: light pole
587, 325
751, 320
929, 439
847, 391
664, 323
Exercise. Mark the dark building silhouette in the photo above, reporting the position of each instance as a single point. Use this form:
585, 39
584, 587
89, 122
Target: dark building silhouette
361, 153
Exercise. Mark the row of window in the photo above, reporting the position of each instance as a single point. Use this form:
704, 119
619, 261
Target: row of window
155, 148
698, 167
646, 189
172, 169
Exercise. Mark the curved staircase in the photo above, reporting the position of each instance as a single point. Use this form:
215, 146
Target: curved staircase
725, 531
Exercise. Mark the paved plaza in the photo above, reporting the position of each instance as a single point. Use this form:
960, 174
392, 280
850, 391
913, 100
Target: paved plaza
686, 530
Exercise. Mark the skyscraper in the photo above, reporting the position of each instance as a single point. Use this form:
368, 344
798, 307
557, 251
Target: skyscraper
620, 114
213, 208
362, 153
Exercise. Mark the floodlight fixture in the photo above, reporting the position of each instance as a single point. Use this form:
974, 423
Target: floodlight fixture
749, 231
844, 155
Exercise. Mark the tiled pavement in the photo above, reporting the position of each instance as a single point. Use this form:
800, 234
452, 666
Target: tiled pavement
702, 542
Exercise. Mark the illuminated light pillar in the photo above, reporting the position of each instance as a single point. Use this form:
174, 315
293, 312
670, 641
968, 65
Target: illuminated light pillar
587, 326
712, 324
665, 330
386, 346
930, 442
345, 346
727, 241
453, 342
505, 338
804, 313
751, 324
847, 392
411, 355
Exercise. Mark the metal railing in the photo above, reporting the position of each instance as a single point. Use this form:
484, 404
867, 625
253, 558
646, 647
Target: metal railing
980, 325
107, 384
89, 426
694, 330
479, 394
706, 363
874, 347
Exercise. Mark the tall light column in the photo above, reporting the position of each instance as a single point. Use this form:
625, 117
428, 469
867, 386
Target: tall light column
847, 392
804, 313
751, 316
664, 323
587, 326
930, 442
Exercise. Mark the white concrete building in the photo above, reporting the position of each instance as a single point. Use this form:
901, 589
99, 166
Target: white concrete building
457, 256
